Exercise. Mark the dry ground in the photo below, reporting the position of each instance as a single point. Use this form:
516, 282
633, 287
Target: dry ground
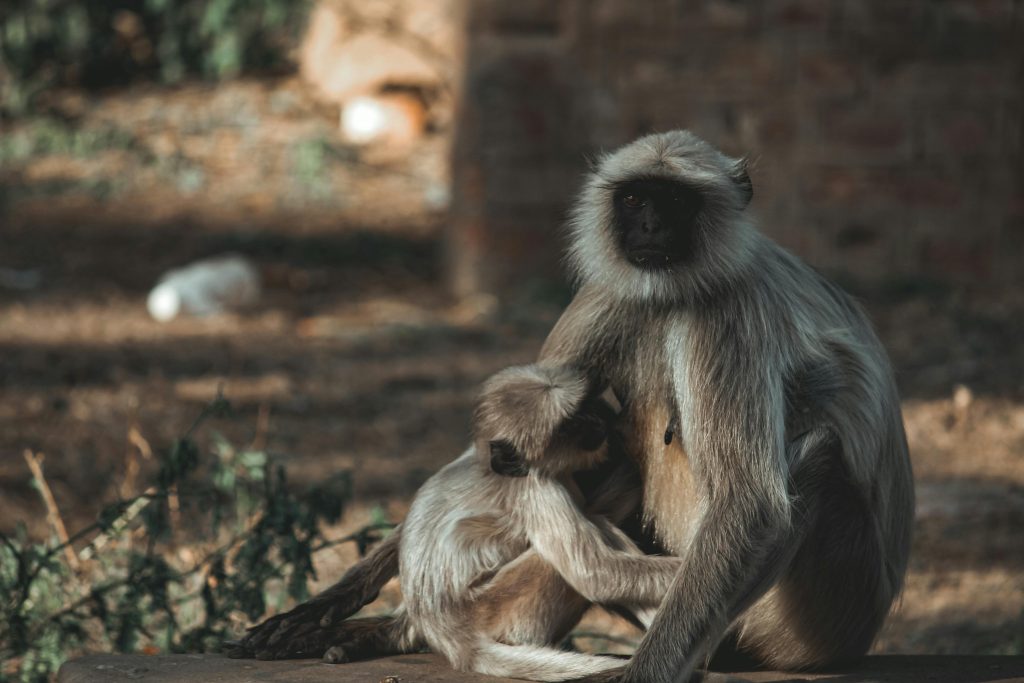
357, 360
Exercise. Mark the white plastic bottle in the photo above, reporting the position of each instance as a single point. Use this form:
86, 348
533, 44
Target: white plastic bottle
205, 287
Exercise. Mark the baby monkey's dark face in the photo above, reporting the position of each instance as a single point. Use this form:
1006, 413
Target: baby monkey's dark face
506, 460
584, 432
654, 221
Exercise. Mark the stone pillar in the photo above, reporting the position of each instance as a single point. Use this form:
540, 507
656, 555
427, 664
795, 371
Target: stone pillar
522, 129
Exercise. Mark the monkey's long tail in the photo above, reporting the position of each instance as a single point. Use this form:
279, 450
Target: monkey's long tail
538, 663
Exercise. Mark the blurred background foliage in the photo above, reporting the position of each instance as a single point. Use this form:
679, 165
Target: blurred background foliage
96, 43
214, 538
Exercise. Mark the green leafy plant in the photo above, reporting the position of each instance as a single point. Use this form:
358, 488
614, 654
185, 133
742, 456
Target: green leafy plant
176, 568
48, 135
104, 42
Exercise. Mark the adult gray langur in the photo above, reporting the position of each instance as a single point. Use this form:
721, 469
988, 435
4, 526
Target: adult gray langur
760, 404
788, 491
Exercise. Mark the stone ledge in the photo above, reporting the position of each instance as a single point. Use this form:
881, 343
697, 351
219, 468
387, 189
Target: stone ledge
431, 669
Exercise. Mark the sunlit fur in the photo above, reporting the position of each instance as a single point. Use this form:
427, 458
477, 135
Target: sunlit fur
725, 234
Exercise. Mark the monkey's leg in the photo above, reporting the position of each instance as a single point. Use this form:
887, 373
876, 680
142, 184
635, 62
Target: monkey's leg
524, 610
710, 592
360, 639
527, 603
289, 635
835, 594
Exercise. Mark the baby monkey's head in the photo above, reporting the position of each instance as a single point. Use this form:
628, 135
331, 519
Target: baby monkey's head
543, 418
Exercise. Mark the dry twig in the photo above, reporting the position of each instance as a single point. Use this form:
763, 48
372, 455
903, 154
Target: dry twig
35, 465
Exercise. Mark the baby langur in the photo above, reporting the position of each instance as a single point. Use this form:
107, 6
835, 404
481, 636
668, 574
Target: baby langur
510, 500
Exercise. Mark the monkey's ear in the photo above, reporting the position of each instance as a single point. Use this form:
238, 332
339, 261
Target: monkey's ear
741, 176
506, 460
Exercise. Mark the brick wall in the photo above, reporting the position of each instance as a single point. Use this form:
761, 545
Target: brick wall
887, 134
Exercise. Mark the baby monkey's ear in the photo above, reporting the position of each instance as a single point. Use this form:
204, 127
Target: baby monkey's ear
506, 460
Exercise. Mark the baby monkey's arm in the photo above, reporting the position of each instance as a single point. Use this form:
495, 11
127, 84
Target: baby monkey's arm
592, 555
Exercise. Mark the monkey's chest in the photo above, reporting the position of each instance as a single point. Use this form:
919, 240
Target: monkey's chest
643, 373
671, 495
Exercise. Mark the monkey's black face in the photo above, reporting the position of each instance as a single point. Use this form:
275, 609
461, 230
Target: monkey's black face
654, 219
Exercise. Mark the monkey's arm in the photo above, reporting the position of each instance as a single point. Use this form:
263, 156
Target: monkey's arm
594, 557
305, 630
576, 339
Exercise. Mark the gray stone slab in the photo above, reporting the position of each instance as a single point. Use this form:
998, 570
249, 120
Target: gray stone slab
432, 669
219, 669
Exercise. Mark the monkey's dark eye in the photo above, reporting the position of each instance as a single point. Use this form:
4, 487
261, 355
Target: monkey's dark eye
632, 201
506, 460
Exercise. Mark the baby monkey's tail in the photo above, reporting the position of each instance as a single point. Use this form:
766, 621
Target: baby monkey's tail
538, 663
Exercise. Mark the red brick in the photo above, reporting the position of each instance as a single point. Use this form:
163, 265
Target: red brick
875, 132
989, 11
801, 13
957, 258
728, 14
777, 129
1016, 206
964, 134
927, 192
833, 74
836, 186
867, 134
743, 69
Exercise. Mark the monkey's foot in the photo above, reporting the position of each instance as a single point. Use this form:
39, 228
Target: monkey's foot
356, 640
275, 638
305, 631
